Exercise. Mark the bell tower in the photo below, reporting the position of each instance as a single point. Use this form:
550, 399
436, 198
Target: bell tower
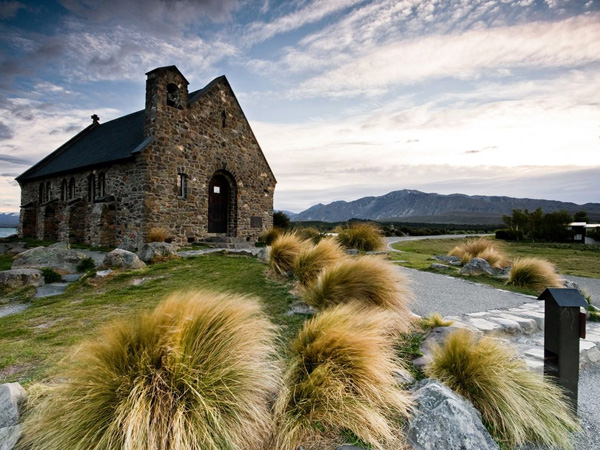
166, 97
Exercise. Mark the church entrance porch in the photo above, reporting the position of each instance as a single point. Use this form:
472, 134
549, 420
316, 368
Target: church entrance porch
222, 205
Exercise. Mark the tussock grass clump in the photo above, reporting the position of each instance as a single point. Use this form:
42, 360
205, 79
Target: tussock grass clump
269, 236
284, 251
340, 377
534, 273
368, 279
516, 404
309, 234
362, 236
312, 260
157, 234
435, 320
480, 248
196, 373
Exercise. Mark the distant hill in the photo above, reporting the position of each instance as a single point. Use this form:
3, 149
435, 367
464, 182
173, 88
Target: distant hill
9, 220
416, 206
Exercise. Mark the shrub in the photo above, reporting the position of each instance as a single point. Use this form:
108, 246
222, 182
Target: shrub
340, 377
85, 265
516, 404
196, 373
509, 235
534, 273
50, 275
362, 236
368, 279
281, 220
309, 234
269, 236
480, 248
435, 320
284, 251
312, 260
157, 235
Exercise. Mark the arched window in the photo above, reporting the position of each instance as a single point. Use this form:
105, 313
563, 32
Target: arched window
42, 194
182, 185
63, 190
223, 119
71, 188
101, 185
48, 189
173, 96
91, 188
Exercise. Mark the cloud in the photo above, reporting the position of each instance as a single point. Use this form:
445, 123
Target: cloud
15, 160
572, 42
8, 10
5, 132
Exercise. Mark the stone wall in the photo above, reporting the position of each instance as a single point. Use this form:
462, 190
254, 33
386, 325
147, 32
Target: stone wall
208, 136
70, 215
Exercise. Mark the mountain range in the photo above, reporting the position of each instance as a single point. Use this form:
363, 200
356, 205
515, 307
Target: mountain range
416, 206
9, 220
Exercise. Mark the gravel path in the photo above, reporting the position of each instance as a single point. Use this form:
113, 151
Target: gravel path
590, 285
452, 296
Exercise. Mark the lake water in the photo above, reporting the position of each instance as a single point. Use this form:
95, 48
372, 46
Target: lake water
7, 232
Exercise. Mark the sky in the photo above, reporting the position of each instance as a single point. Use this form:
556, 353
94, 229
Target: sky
347, 98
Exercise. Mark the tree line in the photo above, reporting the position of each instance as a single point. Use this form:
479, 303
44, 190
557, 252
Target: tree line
537, 225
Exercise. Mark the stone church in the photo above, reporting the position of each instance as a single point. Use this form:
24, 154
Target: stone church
188, 163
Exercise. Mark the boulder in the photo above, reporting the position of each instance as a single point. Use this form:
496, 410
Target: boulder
58, 257
9, 437
443, 419
12, 248
448, 259
18, 278
122, 259
438, 266
12, 396
477, 266
155, 251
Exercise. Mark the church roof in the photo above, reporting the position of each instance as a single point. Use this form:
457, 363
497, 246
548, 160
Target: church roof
98, 144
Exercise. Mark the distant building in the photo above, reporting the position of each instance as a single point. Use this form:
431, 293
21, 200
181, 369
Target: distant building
188, 163
580, 229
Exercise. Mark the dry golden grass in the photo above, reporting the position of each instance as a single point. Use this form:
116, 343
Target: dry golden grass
269, 236
157, 235
435, 320
480, 248
367, 279
284, 251
534, 273
340, 377
196, 373
309, 234
518, 405
362, 236
312, 260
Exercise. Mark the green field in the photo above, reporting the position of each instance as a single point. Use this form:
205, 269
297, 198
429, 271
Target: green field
571, 259
33, 342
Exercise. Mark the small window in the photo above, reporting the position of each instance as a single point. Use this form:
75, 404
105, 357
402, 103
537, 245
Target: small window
217, 189
101, 184
256, 222
182, 185
48, 189
42, 193
63, 190
71, 188
173, 97
224, 119
91, 187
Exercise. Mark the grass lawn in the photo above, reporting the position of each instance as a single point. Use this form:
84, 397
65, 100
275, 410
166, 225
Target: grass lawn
571, 259
33, 342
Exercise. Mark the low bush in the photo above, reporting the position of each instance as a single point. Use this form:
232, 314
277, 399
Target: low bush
516, 404
506, 234
312, 260
196, 373
85, 265
340, 378
480, 248
284, 251
534, 273
269, 236
50, 275
362, 236
367, 279
157, 235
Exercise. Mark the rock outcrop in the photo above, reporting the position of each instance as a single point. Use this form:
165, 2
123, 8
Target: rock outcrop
476, 267
57, 256
18, 278
12, 397
157, 251
122, 259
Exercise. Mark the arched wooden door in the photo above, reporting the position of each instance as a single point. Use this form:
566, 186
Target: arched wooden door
219, 202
